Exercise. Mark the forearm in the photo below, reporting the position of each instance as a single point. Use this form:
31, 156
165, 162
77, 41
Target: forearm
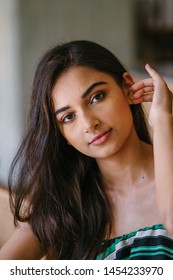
23, 245
163, 158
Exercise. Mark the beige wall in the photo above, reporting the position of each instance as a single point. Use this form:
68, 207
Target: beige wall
11, 99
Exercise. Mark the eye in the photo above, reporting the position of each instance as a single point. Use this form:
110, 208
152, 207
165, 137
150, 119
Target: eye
97, 97
68, 118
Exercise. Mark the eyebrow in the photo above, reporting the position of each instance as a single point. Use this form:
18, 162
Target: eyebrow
86, 92
91, 88
61, 110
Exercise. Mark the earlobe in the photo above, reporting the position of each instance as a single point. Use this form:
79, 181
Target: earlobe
130, 99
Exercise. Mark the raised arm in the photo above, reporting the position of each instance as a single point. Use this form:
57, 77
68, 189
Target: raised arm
156, 90
23, 245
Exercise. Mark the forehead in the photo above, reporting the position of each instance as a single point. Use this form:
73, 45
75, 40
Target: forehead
78, 78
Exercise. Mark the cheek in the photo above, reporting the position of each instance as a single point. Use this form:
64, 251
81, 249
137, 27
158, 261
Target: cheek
72, 135
122, 117
118, 110
126, 114
124, 107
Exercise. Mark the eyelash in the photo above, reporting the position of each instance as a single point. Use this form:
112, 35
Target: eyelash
63, 119
101, 94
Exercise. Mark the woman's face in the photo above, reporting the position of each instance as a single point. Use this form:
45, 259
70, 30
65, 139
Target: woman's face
92, 112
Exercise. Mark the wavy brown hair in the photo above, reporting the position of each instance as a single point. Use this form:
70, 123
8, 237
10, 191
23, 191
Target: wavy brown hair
58, 190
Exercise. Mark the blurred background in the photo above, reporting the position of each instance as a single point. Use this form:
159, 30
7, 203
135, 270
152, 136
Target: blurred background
137, 31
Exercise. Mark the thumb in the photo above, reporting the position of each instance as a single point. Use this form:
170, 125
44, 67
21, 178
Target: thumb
152, 72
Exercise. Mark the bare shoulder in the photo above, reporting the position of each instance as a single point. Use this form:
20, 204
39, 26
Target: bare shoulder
23, 245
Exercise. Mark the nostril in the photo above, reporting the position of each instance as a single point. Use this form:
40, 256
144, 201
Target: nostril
97, 124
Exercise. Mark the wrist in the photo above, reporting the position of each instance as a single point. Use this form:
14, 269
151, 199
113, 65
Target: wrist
163, 121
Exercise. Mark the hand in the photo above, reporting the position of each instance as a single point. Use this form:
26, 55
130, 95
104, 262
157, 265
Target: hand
153, 90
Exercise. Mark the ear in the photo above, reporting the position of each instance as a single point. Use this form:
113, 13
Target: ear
127, 83
128, 80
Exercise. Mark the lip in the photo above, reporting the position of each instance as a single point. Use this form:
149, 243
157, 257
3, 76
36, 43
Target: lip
101, 138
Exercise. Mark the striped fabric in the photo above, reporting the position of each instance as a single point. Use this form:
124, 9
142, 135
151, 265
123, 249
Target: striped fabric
145, 244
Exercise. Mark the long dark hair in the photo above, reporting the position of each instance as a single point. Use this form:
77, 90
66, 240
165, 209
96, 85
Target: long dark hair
58, 190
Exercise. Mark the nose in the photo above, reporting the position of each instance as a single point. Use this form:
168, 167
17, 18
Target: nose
90, 122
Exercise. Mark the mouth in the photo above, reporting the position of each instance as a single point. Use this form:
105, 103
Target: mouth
101, 138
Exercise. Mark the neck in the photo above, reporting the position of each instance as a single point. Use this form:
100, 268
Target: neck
128, 167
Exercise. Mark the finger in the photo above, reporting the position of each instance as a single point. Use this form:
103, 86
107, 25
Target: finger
142, 83
148, 97
142, 91
158, 80
152, 72
143, 98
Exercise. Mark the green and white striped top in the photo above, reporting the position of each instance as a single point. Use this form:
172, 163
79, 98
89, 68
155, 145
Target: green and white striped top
144, 244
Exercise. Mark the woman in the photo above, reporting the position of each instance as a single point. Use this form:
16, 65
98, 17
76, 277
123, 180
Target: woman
86, 177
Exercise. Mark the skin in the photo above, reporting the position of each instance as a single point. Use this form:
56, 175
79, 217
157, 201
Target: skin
22, 245
126, 164
161, 121
85, 118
